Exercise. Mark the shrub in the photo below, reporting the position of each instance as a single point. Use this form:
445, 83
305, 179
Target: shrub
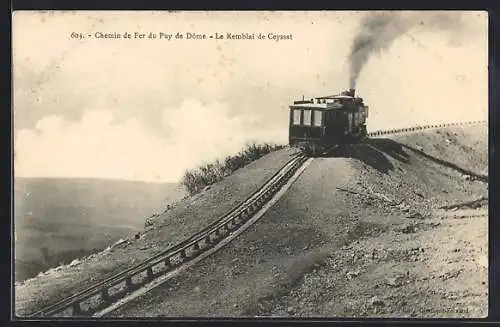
195, 180
148, 222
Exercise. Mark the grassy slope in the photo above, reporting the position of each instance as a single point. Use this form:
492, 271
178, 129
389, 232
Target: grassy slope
321, 251
189, 216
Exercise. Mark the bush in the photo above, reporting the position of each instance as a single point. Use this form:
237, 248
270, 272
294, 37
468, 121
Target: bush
195, 180
148, 222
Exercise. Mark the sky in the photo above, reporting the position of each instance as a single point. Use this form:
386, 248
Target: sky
148, 109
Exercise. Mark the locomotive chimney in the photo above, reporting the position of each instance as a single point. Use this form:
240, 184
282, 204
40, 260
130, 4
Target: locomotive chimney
352, 92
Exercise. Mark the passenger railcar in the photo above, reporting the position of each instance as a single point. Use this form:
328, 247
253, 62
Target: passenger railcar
326, 122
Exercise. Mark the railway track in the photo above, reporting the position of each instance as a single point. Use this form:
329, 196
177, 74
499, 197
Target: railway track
102, 295
423, 127
98, 297
412, 129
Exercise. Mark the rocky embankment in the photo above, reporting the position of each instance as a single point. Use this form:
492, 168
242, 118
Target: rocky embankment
394, 228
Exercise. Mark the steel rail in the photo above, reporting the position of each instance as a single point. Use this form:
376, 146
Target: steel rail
199, 242
424, 127
178, 254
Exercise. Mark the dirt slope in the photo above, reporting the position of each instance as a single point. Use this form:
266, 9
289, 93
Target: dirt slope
188, 217
355, 236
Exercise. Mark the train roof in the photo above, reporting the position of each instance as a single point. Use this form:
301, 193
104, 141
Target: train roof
340, 96
316, 105
323, 103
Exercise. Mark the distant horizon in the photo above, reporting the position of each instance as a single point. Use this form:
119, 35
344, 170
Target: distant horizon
96, 178
149, 109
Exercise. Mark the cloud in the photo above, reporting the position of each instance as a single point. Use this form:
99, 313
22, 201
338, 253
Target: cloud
138, 78
98, 146
162, 107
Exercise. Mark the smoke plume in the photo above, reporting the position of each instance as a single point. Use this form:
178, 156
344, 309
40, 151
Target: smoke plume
378, 30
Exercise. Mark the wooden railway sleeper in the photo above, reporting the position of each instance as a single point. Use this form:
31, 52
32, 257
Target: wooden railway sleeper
105, 295
77, 309
183, 255
128, 283
150, 273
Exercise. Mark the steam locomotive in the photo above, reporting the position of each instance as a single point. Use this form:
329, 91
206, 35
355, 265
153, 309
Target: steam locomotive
323, 123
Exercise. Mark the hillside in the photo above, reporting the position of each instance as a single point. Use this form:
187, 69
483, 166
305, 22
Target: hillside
58, 220
378, 230
357, 235
187, 217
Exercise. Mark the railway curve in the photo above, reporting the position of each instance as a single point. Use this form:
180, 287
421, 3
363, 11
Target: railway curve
101, 295
95, 299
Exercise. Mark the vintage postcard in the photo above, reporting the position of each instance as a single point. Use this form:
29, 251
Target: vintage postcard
250, 164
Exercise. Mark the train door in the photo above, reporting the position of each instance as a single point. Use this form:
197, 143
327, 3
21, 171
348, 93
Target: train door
329, 121
333, 126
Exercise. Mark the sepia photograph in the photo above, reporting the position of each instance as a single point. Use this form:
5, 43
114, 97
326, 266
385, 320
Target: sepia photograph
250, 164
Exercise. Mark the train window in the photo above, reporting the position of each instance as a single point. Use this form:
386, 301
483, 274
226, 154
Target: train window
307, 117
296, 117
318, 115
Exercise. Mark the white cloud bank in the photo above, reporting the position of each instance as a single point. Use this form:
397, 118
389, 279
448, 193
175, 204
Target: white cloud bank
95, 146
146, 128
